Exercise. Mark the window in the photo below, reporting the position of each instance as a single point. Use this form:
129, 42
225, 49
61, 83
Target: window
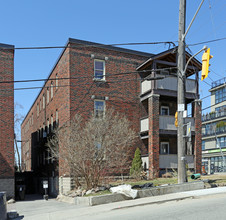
51, 123
40, 106
220, 95
56, 81
164, 110
43, 131
98, 145
37, 109
221, 141
99, 107
164, 148
47, 126
99, 69
43, 101
57, 117
51, 90
47, 95
203, 145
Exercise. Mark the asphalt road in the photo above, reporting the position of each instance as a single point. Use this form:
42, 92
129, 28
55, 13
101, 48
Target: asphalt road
203, 207
208, 207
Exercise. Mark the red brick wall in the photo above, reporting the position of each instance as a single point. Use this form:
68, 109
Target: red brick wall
153, 136
60, 102
122, 90
198, 136
6, 114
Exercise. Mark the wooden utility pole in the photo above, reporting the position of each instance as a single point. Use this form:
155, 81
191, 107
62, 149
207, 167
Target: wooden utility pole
182, 177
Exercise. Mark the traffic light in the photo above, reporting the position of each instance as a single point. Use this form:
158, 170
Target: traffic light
176, 119
188, 133
205, 63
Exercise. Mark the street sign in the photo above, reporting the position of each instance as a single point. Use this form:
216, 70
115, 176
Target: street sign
45, 184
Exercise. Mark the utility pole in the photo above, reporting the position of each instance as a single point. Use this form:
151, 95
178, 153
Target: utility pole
182, 177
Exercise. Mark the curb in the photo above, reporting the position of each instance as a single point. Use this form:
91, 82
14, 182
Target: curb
146, 193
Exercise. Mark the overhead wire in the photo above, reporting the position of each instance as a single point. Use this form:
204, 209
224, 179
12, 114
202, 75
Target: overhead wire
209, 41
90, 45
87, 77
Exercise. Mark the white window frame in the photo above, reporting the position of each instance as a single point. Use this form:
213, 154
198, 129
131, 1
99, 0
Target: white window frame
47, 95
37, 109
56, 81
40, 105
103, 78
161, 145
43, 101
51, 90
165, 107
97, 100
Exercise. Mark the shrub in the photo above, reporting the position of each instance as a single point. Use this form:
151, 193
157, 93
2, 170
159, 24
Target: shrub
136, 168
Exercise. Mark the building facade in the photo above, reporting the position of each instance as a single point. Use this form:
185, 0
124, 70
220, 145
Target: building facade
214, 130
7, 120
159, 105
88, 78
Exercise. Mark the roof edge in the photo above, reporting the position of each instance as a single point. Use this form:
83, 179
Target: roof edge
7, 46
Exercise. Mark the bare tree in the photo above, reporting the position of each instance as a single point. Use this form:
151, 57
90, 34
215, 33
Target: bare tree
18, 118
93, 148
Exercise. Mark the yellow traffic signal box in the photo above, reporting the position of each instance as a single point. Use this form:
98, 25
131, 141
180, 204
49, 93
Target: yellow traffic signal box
205, 63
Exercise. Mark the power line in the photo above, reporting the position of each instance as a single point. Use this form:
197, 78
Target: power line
83, 77
66, 85
204, 42
91, 45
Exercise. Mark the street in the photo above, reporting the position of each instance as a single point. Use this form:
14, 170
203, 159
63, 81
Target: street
203, 206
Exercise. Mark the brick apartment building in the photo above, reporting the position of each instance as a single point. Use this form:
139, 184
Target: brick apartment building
103, 76
7, 119
95, 75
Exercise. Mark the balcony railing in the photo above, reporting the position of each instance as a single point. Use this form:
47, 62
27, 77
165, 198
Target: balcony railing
219, 82
169, 83
171, 161
211, 131
166, 122
144, 126
213, 115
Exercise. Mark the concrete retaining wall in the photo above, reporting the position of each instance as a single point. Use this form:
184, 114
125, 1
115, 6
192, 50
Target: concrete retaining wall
162, 190
155, 191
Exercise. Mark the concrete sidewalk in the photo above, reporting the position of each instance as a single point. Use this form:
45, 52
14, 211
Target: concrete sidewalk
52, 209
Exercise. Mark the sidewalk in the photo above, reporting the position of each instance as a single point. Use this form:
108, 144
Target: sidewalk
52, 209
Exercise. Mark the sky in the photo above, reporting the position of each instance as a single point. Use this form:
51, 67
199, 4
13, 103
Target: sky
28, 23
